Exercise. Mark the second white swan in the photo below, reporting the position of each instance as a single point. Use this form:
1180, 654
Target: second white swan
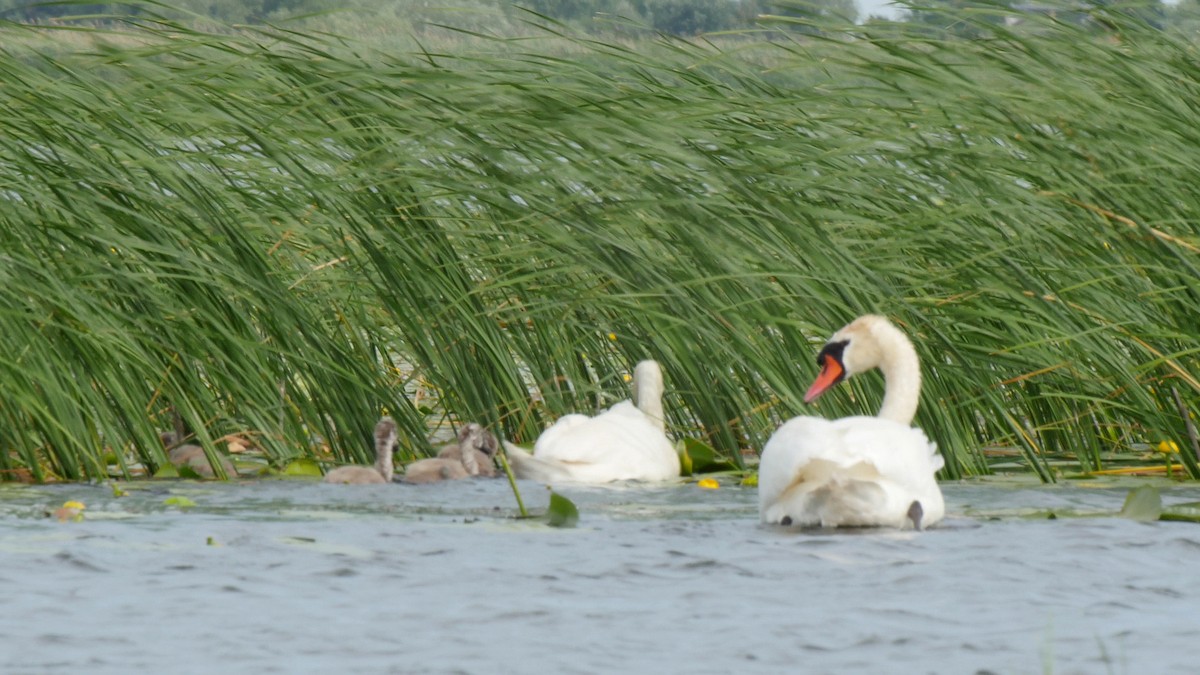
626, 442
856, 471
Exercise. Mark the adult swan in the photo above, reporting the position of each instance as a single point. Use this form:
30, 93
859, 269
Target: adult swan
625, 442
856, 471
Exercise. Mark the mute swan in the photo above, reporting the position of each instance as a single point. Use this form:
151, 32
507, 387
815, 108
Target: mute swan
625, 442
461, 461
385, 442
856, 471
192, 456
485, 452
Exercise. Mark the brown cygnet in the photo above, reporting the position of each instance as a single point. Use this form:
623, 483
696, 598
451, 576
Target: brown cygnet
192, 456
385, 442
454, 464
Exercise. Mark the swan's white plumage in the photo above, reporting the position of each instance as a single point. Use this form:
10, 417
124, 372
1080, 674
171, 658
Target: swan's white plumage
856, 471
625, 442
851, 472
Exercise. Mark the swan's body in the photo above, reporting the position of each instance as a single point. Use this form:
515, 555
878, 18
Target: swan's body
625, 442
856, 471
469, 457
192, 456
385, 443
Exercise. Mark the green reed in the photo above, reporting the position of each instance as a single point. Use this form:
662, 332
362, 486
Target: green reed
285, 233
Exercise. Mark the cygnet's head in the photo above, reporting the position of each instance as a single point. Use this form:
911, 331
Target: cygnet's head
854, 349
473, 435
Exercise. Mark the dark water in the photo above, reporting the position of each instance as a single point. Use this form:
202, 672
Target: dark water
302, 577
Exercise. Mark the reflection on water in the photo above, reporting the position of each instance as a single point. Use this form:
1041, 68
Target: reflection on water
302, 577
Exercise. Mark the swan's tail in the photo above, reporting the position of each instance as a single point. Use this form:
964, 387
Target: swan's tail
525, 465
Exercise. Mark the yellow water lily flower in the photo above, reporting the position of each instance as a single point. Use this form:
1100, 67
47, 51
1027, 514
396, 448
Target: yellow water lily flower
1167, 446
708, 484
71, 510
612, 336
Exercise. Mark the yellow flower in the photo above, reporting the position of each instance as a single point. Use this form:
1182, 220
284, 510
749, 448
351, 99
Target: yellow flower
71, 510
626, 376
1167, 446
708, 484
612, 336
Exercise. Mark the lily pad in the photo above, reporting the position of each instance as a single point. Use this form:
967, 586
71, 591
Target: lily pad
561, 512
1188, 512
1143, 503
303, 468
703, 458
186, 471
685, 460
167, 471
181, 502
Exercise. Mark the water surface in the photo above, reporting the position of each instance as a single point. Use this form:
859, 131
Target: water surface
286, 576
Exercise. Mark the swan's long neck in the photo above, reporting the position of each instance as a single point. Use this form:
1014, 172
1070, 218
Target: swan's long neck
902, 377
648, 391
385, 443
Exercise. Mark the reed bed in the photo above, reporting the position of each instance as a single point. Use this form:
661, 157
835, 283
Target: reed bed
279, 235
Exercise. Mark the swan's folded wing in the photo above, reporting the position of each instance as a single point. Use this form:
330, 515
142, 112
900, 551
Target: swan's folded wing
602, 439
618, 444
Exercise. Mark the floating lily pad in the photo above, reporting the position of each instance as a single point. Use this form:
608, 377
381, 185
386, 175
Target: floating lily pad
181, 502
167, 471
188, 472
561, 512
702, 458
685, 460
303, 468
1143, 503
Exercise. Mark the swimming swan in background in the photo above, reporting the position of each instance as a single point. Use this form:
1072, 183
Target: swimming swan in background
625, 442
856, 471
385, 442
469, 457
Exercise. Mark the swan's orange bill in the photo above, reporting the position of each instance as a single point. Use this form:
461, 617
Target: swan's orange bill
831, 374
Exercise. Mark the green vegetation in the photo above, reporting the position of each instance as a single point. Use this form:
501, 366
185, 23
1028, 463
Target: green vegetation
278, 234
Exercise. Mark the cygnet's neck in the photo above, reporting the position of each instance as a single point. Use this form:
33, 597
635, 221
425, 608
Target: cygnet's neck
385, 443
467, 448
648, 391
901, 374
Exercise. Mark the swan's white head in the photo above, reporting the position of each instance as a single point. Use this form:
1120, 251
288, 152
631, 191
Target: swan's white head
871, 341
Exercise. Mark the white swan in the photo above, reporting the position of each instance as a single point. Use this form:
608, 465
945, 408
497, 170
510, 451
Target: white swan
385, 442
856, 471
625, 442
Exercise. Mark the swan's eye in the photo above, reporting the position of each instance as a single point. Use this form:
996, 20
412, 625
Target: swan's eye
833, 350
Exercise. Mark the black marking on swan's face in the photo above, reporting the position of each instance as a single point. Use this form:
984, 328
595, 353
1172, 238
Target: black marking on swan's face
835, 351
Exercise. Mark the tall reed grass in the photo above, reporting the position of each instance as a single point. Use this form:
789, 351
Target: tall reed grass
281, 234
